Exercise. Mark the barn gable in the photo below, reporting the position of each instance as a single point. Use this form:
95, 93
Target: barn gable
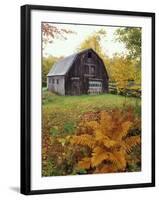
63, 65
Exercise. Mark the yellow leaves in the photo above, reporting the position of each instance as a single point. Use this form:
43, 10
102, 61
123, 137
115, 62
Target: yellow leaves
109, 143
130, 142
99, 136
85, 163
93, 125
93, 41
105, 117
85, 140
98, 156
106, 122
104, 139
120, 158
125, 126
122, 70
108, 140
115, 158
107, 169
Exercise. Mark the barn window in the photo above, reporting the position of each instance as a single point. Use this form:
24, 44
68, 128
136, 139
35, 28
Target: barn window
49, 80
92, 69
95, 87
57, 81
53, 81
89, 55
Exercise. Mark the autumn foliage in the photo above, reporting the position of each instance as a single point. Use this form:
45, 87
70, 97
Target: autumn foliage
103, 142
108, 140
94, 134
51, 32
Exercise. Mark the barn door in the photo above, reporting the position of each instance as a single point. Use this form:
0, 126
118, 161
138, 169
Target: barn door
75, 87
95, 87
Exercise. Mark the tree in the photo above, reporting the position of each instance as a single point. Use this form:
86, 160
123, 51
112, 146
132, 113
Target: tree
51, 32
46, 66
93, 42
122, 70
131, 37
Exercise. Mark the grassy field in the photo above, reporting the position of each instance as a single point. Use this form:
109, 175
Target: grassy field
64, 112
86, 102
61, 121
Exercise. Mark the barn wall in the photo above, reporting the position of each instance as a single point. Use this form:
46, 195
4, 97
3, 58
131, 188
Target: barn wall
86, 75
72, 77
56, 84
78, 70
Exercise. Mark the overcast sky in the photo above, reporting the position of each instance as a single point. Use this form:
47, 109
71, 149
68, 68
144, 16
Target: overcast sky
67, 47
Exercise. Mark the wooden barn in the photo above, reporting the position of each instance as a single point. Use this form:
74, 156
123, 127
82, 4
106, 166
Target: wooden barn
80, 73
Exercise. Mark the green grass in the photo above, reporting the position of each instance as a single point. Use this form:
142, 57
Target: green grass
87, 102
65, 111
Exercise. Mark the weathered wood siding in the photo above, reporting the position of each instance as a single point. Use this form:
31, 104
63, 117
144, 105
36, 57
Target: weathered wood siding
78, 77
87, 74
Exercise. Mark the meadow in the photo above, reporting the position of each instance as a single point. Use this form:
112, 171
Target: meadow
90, 134
66, 148
69, 109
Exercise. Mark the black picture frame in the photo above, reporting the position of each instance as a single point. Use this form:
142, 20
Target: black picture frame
25, 184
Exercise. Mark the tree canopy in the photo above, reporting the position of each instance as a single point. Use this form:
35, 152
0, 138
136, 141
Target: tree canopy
51, 32
121, 68
46, 66
94, 42
131, 37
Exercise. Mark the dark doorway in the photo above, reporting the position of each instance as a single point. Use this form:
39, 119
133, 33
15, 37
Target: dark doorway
75, 85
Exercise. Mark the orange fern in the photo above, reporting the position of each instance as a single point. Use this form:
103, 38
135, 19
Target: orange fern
108, 140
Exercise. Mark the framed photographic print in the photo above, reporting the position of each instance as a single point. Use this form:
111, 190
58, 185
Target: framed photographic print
87, 99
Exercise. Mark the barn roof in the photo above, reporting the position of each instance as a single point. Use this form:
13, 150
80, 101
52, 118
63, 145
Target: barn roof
62, 66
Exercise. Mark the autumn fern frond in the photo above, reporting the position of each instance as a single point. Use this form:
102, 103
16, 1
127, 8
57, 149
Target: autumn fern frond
84, 140
85, 163
108, 140
131, 142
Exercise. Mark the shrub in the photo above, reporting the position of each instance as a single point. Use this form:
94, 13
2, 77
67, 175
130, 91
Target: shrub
109, 141
103, 141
